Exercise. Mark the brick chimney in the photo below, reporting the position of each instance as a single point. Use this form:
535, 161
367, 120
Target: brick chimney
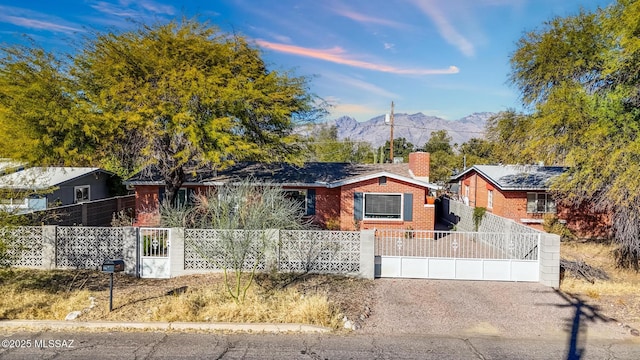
419, 165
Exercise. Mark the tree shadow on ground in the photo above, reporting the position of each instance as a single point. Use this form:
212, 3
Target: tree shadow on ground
583, 313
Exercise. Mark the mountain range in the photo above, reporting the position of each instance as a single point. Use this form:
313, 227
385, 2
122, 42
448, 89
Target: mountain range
416, 128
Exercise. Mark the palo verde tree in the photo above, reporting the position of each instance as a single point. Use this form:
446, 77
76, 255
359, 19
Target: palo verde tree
197, 97
579, 76
242, 213
178, 96
41, 120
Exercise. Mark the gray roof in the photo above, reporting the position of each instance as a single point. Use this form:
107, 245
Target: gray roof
316, 174
41, 178
517, 177
8, 165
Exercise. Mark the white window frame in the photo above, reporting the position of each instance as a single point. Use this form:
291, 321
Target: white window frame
489, 199
466, 190
75, 193
364, 207
533, 206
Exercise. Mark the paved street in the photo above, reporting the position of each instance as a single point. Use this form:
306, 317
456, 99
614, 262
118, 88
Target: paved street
156, 345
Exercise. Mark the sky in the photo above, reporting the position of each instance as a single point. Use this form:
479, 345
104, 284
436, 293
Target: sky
445, 58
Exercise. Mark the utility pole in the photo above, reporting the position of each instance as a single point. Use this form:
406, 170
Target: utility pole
391, 141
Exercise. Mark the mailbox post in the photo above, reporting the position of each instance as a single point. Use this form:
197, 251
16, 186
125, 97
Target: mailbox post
111, 267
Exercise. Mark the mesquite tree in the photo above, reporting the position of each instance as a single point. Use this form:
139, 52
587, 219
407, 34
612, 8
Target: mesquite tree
579, 76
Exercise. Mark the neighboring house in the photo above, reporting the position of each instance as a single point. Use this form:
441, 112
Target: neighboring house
521, 193
336, 195
39, 188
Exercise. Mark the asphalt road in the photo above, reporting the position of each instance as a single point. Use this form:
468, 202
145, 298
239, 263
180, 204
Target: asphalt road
155, 345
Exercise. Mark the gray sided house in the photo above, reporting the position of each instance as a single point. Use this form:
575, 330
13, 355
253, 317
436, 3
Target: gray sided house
39, 188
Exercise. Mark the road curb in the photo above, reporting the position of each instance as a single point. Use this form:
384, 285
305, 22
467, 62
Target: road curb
165, 326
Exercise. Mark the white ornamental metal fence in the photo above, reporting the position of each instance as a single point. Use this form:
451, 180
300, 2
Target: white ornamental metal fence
454, 244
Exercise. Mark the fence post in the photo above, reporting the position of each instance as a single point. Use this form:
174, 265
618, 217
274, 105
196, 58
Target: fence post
130, 250
550, 260
176, 252
367, 254
271, 258
48, 247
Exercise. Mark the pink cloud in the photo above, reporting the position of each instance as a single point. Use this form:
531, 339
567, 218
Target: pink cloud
338, 55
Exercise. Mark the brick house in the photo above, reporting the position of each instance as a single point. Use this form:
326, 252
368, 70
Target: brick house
337, 195
521, 193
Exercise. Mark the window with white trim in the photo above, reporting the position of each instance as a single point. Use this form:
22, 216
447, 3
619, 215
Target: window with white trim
540, 203
81, 193
490, 199
382, 206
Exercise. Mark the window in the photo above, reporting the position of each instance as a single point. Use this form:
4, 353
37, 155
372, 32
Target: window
466, 191
383, 206
490, 199
300, 197
540, 203
185, 196
82, 193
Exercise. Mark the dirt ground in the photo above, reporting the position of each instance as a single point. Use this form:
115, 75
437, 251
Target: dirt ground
388, 305
352, 296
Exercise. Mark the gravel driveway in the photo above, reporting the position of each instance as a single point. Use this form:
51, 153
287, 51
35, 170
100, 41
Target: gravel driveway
459, 308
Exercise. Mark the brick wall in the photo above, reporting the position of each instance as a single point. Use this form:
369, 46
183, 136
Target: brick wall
423, 216
327, 206
582, 221
419, 163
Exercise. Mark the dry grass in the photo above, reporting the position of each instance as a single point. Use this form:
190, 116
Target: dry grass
33, 294
618, 297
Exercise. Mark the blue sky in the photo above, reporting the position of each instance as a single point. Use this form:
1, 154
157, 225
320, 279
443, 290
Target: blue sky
447, 58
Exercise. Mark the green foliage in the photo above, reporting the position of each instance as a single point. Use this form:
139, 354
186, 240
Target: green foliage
579, 75
401, 148
553, 225
174, 95
476, 152
197, 97
324, 146
478, 215
510, 133
443, 161
43, 118
242, 206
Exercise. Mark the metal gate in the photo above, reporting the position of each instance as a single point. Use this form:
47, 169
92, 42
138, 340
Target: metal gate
457, 255
153, 247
